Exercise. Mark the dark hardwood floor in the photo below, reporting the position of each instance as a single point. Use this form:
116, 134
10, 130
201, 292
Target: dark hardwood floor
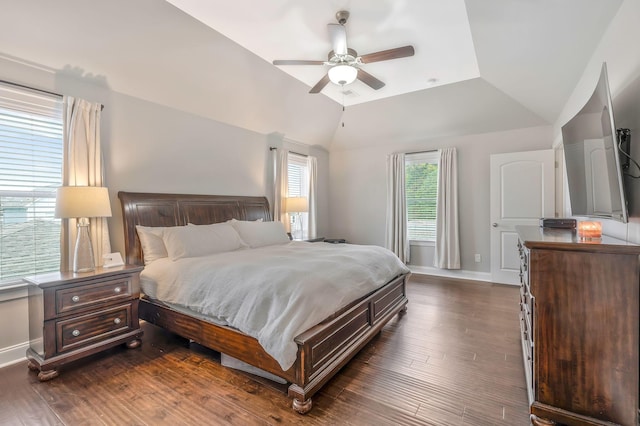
453, 359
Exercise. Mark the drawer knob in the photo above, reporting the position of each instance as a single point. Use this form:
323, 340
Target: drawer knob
117, 290
117, 321
75, 333
75, 299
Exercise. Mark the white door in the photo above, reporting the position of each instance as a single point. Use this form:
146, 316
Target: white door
522, 191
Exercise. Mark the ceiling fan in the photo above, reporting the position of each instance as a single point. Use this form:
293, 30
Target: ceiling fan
344, 63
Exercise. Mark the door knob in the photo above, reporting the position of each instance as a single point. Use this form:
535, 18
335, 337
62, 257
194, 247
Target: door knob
495, 225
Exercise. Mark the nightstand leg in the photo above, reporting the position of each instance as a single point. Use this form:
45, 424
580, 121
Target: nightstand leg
32, 366
302, 407
132, 344
43, 376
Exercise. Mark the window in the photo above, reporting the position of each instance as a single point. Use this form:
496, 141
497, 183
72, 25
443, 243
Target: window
31, 150
298, 183
421, 190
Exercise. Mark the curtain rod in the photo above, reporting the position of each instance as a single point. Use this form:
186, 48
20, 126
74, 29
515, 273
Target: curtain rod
37, 90
272, 148
421, 152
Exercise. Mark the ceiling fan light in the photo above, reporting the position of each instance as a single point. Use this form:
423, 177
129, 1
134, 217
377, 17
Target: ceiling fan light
343, 74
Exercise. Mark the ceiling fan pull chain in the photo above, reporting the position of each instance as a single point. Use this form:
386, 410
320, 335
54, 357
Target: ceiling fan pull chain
342, 106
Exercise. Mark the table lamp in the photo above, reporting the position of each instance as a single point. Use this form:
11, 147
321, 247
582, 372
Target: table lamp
82, 203
297, 205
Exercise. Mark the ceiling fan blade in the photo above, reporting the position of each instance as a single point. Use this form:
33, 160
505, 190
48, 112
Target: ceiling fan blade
320, 85
370, 80
338, 37
296, 62
385, 55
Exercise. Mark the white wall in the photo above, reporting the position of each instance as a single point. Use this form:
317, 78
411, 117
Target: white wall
149, 147
358, 190
618, 49
14, 325
152, 148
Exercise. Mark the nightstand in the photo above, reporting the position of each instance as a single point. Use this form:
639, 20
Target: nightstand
308, 240
73, 315
315, 240
335, 240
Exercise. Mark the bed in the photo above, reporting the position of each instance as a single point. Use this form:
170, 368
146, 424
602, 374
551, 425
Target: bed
322, 350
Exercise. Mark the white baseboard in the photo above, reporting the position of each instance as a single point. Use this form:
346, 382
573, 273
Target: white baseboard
13, 354
451, 273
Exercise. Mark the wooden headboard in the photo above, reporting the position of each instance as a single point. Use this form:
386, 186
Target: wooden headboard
149, 209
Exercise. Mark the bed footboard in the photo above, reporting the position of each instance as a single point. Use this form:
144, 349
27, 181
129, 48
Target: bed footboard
322, 350
329, 346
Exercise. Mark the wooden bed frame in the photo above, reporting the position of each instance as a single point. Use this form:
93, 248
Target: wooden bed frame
322, 350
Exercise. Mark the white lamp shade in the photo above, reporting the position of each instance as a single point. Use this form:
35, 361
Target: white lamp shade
297, 205
343, 74
82, 201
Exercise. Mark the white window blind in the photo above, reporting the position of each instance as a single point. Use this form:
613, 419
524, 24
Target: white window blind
298, 173
421, 191
298, 180
31, 148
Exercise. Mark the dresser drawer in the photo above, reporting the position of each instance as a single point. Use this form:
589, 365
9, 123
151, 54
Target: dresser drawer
527, 337
524, 264
527, 354
524, 276
83, 330
72, 299
524, 270
527, 300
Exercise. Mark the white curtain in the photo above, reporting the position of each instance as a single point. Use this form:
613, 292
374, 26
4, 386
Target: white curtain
396, 235
281, 187
82, 166
312, 166
447, 250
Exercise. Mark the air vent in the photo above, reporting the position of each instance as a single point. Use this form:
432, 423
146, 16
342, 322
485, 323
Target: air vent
350, 93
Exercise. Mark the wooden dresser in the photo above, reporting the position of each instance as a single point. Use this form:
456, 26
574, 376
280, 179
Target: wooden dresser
75, 315
579, 321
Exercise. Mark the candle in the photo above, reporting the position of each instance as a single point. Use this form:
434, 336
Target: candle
589, 230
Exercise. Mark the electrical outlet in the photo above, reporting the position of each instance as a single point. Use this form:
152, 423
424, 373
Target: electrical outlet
478, 258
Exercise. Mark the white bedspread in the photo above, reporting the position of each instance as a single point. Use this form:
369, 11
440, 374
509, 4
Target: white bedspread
273, 293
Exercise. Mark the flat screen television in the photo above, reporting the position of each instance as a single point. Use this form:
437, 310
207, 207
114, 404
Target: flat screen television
592, 158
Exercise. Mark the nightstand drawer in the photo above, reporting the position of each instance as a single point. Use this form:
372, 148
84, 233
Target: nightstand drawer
76, 298
95, 327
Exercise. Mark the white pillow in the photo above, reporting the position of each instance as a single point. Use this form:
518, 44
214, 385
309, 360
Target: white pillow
151, 242
259, 234
200, 240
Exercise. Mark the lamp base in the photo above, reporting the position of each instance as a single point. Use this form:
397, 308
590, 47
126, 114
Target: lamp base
83, 255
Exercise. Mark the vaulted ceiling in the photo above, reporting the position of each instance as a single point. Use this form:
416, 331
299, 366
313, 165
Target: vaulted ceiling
280, 29
498, 64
